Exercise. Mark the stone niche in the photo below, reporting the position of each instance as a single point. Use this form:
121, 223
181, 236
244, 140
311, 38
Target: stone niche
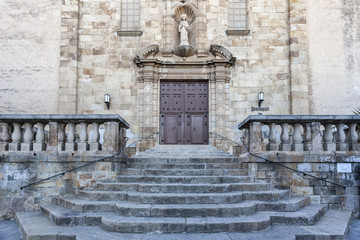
213, 66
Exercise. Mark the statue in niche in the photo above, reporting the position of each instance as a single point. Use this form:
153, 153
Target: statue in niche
183, 29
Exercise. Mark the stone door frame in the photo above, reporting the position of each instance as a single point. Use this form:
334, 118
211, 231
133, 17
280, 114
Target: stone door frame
215, 69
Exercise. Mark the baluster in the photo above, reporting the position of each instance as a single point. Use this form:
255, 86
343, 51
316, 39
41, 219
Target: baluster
272, 146
39, 144
329, 144
352, 137
307, 137
70, 144
15, 145
27, 145
61, 136
4, 136
284, 137
297, 144
83, 143
340, 138
95, 137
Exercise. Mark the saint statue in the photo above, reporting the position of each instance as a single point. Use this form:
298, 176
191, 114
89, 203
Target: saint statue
183, 29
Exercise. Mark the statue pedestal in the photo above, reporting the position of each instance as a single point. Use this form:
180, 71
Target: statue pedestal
185, 51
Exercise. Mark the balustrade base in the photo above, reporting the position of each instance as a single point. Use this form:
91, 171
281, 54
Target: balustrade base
272, 147
285, 147
61, 146
95, 146
4, 146
297, 147
308, 147
329, 147
70, 146
341, 146
83, 146
14, 147
39, 147
353, 146
26, 147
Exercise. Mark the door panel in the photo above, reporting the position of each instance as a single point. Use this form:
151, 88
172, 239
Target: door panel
184, 113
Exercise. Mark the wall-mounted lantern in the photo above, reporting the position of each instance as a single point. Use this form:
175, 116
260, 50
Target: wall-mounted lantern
107, 100
261, 98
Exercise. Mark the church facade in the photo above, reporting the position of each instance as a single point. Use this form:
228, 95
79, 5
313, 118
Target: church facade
180, 68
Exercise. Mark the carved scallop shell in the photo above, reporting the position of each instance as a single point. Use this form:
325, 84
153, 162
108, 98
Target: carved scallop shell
187, 10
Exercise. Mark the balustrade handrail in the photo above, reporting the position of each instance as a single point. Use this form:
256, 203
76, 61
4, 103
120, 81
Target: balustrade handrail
75, 118
122, 150
76, 168
276, 163
299, 119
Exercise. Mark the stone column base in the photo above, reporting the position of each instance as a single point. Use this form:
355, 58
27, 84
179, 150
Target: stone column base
341, 146
70, 146
95, 146
4, 146
61, 146
285, 147
39, 147
272, 147
25, 147
83, 146
15, 147
329, 147
297, 147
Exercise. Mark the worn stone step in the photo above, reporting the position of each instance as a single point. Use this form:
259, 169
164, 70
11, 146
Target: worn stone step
180, 198
184, 172
185, 166
177, 159
84, 205
333, 225
208, 210
116, 223
185, 179
62, 216
183, 188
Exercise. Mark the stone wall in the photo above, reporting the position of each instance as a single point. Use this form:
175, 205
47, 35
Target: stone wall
334, 55
63, 56
29, 62
319, 165
20, 169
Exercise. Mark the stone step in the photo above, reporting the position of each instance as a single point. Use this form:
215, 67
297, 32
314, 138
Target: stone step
258, 222
185, 166
209, 210
184, 172
185, 179
84, 205
177, 198
178, 159
33, 225
183, 188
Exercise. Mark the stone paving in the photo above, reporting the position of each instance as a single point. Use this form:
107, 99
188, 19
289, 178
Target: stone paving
10, 231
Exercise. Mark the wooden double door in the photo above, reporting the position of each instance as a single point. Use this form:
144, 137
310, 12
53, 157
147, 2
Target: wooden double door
184, 113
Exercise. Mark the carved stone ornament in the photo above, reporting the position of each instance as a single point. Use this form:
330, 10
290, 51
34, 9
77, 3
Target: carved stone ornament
152, 49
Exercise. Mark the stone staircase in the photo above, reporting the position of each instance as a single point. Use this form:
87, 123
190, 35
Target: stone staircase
180, 190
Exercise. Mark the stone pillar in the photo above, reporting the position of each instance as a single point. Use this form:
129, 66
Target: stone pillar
328, 137
284, 137
53, 137
27, 145
83, 144
39, 144
61, 136
308, 146
340, 138
298, 58
352, 137
255, 137
297, 144
69, 56
111, 137
4, 136
272, 145
15, 145
95, 137
70, 144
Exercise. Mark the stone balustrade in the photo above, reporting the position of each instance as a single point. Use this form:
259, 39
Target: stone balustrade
302, 132
37, 133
